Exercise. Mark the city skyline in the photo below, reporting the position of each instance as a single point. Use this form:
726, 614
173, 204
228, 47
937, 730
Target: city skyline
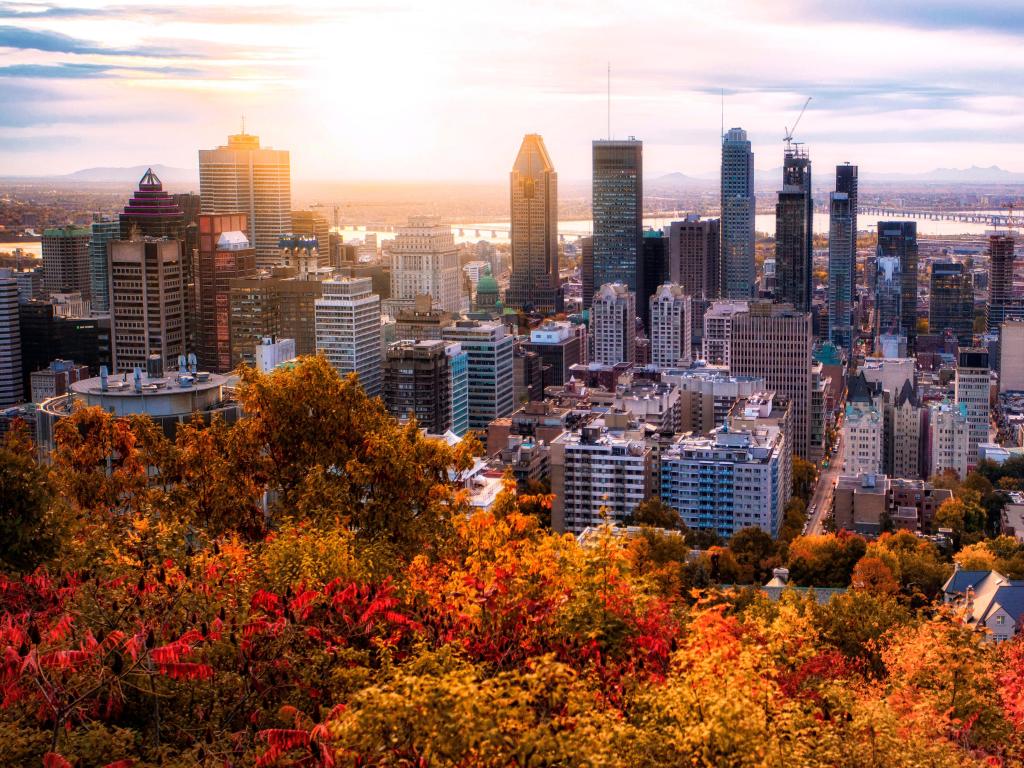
929, 95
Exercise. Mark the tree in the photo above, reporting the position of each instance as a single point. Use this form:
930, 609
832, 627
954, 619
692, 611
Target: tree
825, 560
873, 575
30, 522
756, 554
657, 514
805, 475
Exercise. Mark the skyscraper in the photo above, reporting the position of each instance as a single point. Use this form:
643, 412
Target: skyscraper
888, 297
348, 329
534, 228
242, 177
1000, 281
587, 270
737, 215
66, 260
151, 212
489, 350
102, 231
694, 261
613, 322
794, 231
147, 302
11, 392
972, 385
417, 381
846, 181
899, 239
224, 254
951, 301
842, 267
654, 267
671, 330
618, 212
425, 261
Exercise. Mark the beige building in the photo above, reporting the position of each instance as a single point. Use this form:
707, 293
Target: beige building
949, 436
715, 346
425, 261
671, 326
613, 319
860, 502
1011, 357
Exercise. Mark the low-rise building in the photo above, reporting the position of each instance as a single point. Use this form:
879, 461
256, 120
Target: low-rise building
989, 601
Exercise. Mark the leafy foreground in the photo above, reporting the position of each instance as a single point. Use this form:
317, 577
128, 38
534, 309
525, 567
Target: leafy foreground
370, 619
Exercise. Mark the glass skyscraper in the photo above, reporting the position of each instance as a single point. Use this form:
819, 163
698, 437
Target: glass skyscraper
534, 201
898, 239
618, 213
794, 231
841, 270
951, 301
103, 230
738, 210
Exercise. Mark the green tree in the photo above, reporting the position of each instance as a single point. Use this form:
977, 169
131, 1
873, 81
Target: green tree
30, 522
805, 475
655, 513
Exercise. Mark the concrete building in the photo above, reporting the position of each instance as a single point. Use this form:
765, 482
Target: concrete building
671, 330
223, 254
695, 261
600, 471
715, 346
775, 341
66, 260
271, 354
613, 324
421, 321
951, 301
707, 395
533, 195
560, 347
1011, 356
417, 382
489, 349
56, 379
738, 209
948, 439
279, 306
1002, 303
972, 387
888, 373
147, 303
904, 425
348, 330
863, 430
243, 177
425, 260
861, 503
11, 373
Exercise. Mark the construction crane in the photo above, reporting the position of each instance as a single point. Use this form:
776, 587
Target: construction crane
789, 133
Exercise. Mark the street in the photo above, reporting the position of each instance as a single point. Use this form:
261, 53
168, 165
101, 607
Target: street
821, 499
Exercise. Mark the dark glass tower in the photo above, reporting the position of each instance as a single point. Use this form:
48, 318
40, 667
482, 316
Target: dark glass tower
738, 210
152, 212
841, 269
951, 302
618, 213
654, 255
1001, 303
534, 207
794, 231
898, 239
846, 181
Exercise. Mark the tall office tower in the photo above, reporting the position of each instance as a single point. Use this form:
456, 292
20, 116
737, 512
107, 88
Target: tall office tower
224, 254
348, 329
560, 347
738, 210
846, 181
489, 350
618, 207
587, 270
279, 307
417, 381
888, 297
66, 260
425, 260
102, 231
534, 229
147, 303
242, 177
151, 212
951, 302
313, 224
613, 323
1000, 280
794, 231
775, 341
11, 391
715, 348
654, 255
190, 206
842, 269
458, 371
694, 260
972, 387
671, 327
899, 239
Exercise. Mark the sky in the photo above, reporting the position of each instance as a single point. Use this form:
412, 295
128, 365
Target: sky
393, 90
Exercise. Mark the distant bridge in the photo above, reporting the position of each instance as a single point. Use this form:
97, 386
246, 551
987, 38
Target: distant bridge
969, 217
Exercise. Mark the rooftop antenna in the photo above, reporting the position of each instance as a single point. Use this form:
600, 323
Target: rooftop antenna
788, 138
243, 125
609, 101
723, 114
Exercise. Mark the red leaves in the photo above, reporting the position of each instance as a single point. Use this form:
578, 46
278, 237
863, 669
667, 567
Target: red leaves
53, 760
285, 738
184, 670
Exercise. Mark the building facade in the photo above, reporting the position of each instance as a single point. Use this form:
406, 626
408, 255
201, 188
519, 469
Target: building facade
11, 373
794, 231
613, 324
491, 382
738, 209
972, 387
348, 330
102, 230
695, 261
533, 192
898, 239
617, 197
417, 382
425, 261
66, 260
951, 301
671, 330
842, 269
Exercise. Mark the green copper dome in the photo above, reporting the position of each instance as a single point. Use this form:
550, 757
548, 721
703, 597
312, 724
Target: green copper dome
487, 284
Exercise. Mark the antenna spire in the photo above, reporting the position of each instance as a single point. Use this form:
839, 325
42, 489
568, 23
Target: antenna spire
609, 101
723, 113
243, 125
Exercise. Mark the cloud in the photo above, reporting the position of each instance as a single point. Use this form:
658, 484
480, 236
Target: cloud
87, 71
998, 17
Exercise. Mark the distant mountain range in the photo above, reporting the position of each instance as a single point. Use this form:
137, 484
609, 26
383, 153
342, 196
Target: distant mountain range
168, 175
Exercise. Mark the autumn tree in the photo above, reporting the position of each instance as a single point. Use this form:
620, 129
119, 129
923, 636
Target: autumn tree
825, 560
657, 514
756, 555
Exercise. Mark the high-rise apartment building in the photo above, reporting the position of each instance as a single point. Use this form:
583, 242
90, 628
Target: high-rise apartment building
899, 239
671, 331
694, 260
534, 228
904, 420
949, 437
972, 388
1000, 279
223, 254
348, 329
66, 260
489, 349
425, 261
417, 381
846, 182
618, 196
1011, 359
147, 303
951, 301
863, 430
794, 231
458, 373
613, 324
243, 177
776, 341
842, 268
738, 208
11, 391
102, 231
715, 342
